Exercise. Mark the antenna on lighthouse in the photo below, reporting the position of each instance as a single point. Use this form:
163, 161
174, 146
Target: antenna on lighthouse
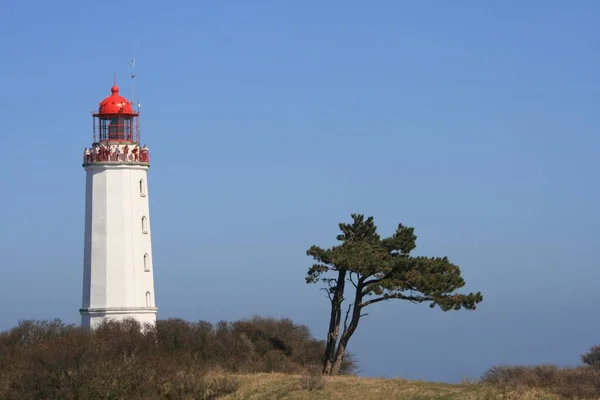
132, 65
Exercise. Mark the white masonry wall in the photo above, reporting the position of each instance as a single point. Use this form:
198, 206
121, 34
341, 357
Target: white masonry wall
118, 272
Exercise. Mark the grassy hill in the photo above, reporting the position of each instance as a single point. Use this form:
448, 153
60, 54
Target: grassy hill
256, 358
301, 387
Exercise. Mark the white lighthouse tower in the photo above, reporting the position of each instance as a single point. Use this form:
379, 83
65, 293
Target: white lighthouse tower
118, 278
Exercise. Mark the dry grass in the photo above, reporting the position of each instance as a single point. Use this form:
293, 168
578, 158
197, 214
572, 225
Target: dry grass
293, 387
582, 382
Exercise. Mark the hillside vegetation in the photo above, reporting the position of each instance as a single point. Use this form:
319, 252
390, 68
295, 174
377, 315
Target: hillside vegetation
51, 360
307, 387
257, 358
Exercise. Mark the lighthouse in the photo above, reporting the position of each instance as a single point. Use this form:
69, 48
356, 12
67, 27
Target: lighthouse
118, 273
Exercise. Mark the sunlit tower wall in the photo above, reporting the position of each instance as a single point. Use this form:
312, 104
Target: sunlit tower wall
118, 280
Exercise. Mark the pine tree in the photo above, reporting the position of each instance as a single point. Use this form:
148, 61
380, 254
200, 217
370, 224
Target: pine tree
372, 270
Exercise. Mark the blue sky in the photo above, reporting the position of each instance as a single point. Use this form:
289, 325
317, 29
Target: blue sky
270, 122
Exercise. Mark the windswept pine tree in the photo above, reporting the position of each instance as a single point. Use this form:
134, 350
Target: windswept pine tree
366, 269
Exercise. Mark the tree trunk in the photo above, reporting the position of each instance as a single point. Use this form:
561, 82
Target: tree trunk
348, 330
334, 323
339, 359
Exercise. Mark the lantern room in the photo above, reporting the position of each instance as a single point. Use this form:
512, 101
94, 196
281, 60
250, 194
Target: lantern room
116, 121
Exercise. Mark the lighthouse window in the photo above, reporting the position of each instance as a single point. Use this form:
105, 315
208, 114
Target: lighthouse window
146, 263
148, 299
142, 188
116, 128
144, 224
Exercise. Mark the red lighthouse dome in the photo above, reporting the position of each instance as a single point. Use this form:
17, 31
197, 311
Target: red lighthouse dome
115, 103
116, 121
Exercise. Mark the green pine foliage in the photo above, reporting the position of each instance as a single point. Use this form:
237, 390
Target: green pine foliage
367, 269
592, 357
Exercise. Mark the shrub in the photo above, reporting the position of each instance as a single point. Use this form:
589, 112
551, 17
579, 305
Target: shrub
569, 382
120, 360
592, 358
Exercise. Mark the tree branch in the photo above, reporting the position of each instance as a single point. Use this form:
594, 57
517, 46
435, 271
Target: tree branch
351, 280
377, 280
372, 281
328, 294
346, 318
414, 299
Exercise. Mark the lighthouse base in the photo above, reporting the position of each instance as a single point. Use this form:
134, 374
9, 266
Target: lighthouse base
92, 317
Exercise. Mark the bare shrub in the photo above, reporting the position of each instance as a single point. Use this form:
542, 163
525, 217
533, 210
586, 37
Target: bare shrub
28, 333
174, 359
569, 382
349, 365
